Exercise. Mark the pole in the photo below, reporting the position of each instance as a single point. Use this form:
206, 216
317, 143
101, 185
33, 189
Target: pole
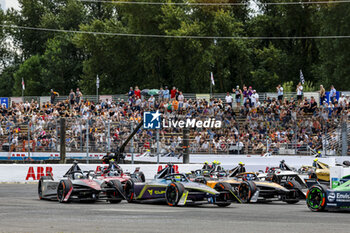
109, 136
62, 140
132, 144
28, 139
97, 87
157, 135
87, 141
186, 156
344, 137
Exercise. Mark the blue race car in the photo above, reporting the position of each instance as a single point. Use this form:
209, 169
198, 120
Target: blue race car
177, 190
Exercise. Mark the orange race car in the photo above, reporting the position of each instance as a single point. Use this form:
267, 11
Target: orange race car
250, 188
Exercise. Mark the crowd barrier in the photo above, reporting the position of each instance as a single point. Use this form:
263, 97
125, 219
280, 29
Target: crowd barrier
32, 172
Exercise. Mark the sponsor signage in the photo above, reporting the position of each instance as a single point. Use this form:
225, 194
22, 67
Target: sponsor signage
153, 120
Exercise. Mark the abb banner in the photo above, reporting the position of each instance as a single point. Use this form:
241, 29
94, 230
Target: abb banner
32, 172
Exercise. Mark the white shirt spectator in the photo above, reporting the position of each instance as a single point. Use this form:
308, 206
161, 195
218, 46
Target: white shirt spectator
228, 99
280, 91
300, 90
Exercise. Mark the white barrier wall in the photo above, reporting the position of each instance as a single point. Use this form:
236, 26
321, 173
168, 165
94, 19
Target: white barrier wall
33, 172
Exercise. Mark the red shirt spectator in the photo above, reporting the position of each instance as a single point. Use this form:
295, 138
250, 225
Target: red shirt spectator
137, 92
173, 93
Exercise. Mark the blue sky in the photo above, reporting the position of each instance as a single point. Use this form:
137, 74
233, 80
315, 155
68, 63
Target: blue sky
9, 3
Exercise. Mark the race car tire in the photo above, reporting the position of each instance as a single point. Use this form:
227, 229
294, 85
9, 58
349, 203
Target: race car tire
140, 177
316, 198
224, 198
40, 186
129, 190
63, 188
246, 191
115, 196
173, 193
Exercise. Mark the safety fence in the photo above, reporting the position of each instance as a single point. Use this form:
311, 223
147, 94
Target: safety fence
304, 135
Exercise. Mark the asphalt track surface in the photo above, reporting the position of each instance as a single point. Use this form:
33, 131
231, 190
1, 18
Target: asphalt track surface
22, 211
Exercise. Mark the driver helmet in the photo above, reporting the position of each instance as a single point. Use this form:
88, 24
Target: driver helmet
78, 176
283, 161
241, 164
206, 162
315, 160
214, 162
217, 162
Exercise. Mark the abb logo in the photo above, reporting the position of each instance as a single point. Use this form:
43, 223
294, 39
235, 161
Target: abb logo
39, 172
176, 168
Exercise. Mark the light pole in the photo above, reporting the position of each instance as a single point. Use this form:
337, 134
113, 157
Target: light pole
97, 87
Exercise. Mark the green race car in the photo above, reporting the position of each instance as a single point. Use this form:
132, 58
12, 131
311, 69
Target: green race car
319, 197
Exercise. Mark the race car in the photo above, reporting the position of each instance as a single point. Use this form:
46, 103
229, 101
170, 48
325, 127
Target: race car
250, 188
177, 190
80, 186
319, 171
320, 198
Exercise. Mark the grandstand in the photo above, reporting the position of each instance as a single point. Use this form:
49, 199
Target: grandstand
288, 127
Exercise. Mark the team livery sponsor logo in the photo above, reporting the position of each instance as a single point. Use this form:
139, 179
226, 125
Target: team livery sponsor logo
156, 192
331, 197
343, 197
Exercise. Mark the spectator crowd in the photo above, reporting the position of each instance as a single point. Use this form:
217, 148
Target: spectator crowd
250, 125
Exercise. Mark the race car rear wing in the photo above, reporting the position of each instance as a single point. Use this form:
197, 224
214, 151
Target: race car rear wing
311, 182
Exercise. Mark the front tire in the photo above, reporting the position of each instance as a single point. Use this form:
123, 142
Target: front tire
316, 198
63, 188
173, 193
246, 191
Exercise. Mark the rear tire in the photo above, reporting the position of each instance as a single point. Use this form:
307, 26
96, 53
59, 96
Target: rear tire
115, 196
63, 188
316, 198
173, 193
40, 186
224, 197
246, 191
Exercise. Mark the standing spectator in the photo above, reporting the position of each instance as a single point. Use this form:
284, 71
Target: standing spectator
71, 98
342, 101
173, 93
166, 94
131, 93
78, 96
245, 94
181, 99
254, 99
151, 101
280, 93
333, 94
322, 95
161, 94
299, 92
53, 95
137, 92
238, 93
228, 99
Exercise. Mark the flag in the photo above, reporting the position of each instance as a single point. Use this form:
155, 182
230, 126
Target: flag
302, 80
23, 86
212, 78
